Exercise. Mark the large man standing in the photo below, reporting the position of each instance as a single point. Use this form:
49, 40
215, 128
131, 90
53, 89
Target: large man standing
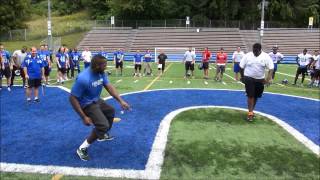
18, 57
86, 101
253, 66
34, 72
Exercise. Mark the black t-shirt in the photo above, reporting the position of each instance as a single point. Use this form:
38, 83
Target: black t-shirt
162, 58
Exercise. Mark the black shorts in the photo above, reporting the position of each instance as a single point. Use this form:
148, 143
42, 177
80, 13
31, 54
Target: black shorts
302, 70
317, 73
205, 65
62, 70
189, 66
221, 68
101, 115
119, 64
163, 65
137, 66
47, 71
34, 83
6, 72
254, 87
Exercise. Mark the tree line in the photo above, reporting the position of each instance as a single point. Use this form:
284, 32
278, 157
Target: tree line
294, 12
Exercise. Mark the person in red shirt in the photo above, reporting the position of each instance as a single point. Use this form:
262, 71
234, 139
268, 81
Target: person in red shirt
221, 61
206, 55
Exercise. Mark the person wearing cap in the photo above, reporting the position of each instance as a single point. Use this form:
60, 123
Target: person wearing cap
276, 58
221, 60
303, 61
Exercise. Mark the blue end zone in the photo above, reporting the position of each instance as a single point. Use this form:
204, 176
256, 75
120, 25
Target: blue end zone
49, 132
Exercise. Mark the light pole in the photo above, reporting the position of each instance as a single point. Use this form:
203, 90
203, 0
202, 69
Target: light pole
49, 27
262, 22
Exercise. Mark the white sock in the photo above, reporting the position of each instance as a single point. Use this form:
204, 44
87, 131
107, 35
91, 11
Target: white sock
85, 144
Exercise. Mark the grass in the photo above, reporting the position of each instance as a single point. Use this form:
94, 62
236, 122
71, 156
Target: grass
219, 144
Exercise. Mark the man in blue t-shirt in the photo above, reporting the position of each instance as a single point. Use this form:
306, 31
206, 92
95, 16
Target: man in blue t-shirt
137, 60
45, 57
118, 60
86, 101
5, 66
75, 58
34, 71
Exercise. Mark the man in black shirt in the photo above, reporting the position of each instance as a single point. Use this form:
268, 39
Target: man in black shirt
161, 62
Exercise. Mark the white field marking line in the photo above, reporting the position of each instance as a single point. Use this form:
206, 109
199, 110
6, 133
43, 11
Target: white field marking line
224, 83
292, 75
155, 160
205, 82
136, 81
155, 79
118, 80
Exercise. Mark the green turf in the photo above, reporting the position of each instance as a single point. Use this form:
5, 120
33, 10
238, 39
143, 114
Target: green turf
219, 144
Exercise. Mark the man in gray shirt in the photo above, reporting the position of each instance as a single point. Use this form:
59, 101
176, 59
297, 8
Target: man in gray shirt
18, 56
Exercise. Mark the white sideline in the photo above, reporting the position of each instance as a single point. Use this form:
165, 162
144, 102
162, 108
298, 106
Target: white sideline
291, 75
156, 157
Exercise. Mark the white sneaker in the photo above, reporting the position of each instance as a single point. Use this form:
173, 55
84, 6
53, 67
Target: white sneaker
9, 89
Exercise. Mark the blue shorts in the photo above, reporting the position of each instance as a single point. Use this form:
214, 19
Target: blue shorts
275, 67
236, 67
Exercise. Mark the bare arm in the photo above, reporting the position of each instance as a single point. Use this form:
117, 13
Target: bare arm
113, 92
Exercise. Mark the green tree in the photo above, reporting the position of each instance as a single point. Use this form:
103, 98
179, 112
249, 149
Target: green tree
13, 14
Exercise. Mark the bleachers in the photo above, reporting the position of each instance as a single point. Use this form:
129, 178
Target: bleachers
290, 41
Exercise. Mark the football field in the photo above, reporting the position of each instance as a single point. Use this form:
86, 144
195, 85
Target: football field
178, 129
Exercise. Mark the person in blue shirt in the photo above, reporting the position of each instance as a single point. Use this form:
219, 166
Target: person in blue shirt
33, 67
137, 60
147, 61
103, 53
61, 59
75, 58
85, 100
6, 66
45, 57
118, 60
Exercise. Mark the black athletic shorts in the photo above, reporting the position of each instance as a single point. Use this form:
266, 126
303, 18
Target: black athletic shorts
47, 71
6, 72
137, 66
221, 68
63, 70
189, 66
34, 83
101, 115
119, 64
254, 87
317, 73
205, 65
163, 65
302, 70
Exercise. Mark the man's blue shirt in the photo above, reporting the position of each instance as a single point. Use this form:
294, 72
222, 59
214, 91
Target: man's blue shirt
34, 66
88, 86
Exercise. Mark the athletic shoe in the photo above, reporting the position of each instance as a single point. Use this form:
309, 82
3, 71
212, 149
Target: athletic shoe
9, 89
28, 100
36, 100
83, 154
106, 137
250, 116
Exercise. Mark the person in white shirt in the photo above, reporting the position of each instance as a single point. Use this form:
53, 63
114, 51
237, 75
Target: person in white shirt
276, 58
303, 61
253, 66
86, 56
189, 60
315, 66
236, 58
18, 57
